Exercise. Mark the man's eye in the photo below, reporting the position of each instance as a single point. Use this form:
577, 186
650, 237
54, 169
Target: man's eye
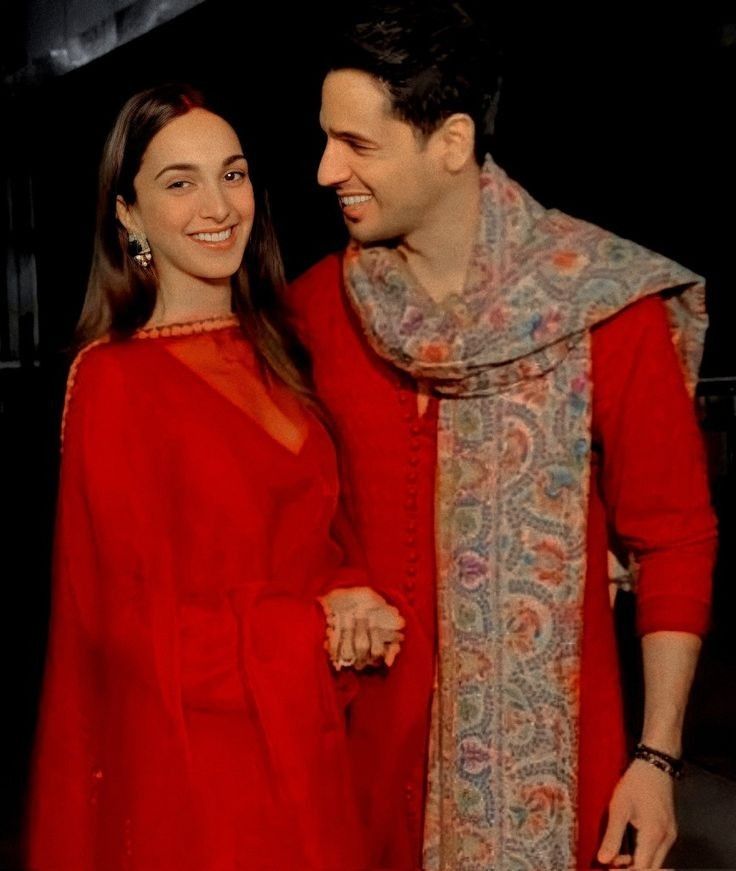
180, 184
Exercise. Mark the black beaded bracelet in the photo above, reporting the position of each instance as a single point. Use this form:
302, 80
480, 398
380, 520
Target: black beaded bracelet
669, 764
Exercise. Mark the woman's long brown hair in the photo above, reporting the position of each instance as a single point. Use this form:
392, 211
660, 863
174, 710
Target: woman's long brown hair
121, 296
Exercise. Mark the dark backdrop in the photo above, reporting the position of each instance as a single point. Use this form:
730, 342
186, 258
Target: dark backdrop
616, 119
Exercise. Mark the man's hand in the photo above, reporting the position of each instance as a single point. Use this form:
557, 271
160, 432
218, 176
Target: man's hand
644, 798
644, 795
362, 628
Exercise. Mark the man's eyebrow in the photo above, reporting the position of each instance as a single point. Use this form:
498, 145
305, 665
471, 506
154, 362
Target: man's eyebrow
350, 134
190, 167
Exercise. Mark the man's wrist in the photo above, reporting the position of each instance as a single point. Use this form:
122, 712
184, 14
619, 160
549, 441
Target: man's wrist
663, 730
671, 765
671, 743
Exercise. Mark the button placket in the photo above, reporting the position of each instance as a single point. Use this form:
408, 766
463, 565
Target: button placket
409, 414
410, 538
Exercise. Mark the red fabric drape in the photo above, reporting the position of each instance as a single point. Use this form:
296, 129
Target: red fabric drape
190, 718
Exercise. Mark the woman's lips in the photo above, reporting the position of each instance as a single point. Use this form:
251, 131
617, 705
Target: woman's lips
217, 241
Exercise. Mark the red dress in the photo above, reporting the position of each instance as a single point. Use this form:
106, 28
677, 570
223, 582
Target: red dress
190, 717
648, 488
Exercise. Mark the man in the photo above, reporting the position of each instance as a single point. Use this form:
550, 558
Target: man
490, 367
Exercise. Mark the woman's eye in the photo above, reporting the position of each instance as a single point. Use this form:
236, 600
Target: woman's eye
178, 185
235, 175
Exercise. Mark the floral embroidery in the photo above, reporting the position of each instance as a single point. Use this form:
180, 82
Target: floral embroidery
510, 359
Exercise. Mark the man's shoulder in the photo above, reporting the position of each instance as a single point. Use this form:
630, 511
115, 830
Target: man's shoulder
319, 278
314, 298
636, 321
636, 344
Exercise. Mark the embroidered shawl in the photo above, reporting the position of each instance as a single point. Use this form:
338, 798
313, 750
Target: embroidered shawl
509, 358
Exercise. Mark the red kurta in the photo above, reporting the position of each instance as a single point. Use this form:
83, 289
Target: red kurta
648, 488
190, 718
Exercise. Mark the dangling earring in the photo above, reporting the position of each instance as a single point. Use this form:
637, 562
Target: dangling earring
139, 249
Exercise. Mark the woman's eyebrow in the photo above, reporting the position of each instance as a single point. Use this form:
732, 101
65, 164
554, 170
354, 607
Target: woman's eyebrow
180, 167
233, 159
191, 167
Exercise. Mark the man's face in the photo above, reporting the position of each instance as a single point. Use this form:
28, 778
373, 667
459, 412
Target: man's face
387, 178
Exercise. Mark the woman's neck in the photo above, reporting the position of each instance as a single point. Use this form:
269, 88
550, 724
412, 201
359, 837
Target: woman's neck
193, 303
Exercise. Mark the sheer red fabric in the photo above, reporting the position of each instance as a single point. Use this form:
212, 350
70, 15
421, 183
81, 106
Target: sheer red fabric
190, 718
648, 490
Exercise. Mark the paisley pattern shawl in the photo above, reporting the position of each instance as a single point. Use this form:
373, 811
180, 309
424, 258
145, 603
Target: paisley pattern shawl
510, 359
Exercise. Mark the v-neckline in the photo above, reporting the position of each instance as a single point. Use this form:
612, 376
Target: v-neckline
241, 410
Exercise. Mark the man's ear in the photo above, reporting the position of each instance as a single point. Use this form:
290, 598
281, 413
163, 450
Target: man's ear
458, 140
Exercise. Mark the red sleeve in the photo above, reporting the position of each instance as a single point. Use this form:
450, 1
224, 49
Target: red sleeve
351, 571
67, 761
653, 473
310, 302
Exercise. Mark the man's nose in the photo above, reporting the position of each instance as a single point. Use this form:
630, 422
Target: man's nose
333, 168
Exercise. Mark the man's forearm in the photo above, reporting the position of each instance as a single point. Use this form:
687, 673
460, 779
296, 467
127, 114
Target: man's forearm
669, 666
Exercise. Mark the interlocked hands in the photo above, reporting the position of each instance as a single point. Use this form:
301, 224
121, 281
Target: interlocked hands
362, 628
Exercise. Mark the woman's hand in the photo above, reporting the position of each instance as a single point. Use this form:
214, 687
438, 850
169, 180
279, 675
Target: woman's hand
362, 628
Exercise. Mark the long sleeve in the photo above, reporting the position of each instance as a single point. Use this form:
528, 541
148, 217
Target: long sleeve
65, 772
68, 768
652, 472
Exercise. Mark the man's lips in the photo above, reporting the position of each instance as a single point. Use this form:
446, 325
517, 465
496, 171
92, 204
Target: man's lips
354, 205
350, 200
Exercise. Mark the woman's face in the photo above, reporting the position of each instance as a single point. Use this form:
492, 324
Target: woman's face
194, 201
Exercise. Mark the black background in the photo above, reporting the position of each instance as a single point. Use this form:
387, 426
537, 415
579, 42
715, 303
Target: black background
612, 117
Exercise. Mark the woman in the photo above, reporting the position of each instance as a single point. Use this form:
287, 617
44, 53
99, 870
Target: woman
190, 718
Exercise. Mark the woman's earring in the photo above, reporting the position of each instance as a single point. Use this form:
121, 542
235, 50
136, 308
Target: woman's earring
139, 249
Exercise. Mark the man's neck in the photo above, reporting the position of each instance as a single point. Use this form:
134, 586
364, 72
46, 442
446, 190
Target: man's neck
439, 253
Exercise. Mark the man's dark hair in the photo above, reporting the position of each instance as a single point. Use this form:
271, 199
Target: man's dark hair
434, 58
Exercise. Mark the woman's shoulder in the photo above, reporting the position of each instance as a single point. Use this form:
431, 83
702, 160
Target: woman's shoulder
97, 376
100, 363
